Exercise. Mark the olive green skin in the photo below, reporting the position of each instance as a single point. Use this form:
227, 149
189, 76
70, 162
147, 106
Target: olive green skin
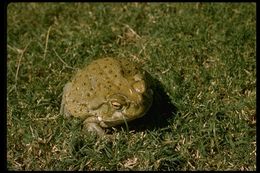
106, 93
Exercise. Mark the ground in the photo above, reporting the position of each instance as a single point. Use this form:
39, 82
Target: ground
203, 54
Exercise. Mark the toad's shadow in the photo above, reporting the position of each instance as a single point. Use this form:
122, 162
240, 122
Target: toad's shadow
160, 112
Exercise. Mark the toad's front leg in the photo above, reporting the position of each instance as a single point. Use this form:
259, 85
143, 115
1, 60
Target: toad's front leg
91, 124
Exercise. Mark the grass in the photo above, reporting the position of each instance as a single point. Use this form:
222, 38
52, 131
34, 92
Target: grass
203, 54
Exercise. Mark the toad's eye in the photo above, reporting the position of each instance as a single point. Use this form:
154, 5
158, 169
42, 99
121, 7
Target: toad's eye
117, 101
116, 105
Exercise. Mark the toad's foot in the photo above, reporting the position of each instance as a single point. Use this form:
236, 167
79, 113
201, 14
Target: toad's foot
94, 128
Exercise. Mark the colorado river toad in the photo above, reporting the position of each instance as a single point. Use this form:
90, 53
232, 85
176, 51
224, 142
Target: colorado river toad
107, 92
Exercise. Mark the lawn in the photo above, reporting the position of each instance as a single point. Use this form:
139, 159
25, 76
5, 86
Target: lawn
202, 54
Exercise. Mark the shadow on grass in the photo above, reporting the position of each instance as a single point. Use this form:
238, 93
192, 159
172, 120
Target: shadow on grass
160, 112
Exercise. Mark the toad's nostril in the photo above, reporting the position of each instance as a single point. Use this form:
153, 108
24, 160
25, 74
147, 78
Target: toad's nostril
139, 86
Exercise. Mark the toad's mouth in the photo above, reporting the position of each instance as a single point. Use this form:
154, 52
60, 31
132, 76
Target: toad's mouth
121, 109
130, 113
137, 110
